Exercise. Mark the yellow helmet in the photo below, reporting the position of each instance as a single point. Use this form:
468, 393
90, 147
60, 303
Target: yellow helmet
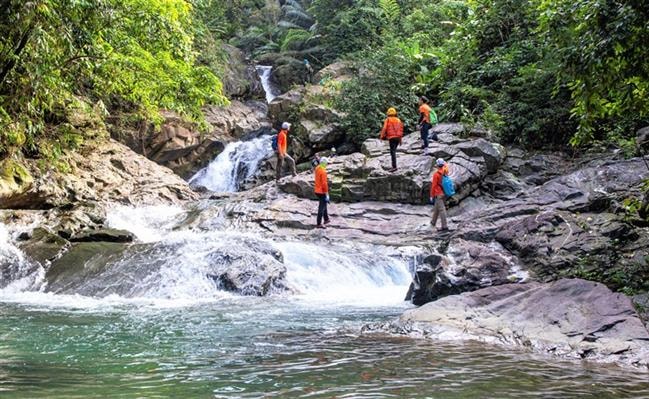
392, 111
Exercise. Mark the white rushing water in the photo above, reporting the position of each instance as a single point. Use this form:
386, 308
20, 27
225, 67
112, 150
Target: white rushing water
171, 268
265, 75
238, 161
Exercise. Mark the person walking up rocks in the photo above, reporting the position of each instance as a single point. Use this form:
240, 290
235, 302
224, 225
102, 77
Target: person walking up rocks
282, 154
427, 117
322, 192
437, 194
393, 132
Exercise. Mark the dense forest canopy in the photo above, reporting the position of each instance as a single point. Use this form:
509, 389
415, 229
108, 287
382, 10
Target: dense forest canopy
537, 72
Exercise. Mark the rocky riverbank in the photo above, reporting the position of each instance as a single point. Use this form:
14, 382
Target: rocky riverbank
528, 230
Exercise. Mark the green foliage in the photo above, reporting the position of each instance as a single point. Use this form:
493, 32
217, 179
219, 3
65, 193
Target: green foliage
391, 10
377, 86
53, 52
604, 47
348, 26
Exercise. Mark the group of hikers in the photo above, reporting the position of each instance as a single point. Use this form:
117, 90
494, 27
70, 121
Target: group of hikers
392, 131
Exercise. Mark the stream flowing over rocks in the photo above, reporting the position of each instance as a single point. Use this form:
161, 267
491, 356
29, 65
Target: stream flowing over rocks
527, 230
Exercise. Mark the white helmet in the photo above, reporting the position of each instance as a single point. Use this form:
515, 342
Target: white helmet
286, 125
324, 160
440, 162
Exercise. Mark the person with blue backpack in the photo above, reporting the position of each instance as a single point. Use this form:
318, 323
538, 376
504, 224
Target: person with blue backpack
442, 187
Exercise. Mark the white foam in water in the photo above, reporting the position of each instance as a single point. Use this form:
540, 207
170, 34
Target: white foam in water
8, 251
173, 272
148, 224
238, 161
349, 276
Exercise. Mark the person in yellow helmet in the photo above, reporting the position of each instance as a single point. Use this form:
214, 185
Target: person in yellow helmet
393, 132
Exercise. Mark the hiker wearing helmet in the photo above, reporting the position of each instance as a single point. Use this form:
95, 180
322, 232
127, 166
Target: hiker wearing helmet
437, 194
322, 192
426, 119
393, 132
282, 154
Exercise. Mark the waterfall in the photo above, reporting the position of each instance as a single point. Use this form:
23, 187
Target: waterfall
265, 75
16, 272
174, 267
238, 161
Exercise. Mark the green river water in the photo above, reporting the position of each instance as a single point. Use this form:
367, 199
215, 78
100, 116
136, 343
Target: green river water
257, 348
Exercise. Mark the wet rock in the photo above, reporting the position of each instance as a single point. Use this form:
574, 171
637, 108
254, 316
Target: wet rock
465, 266
103, 235
288, 72
78, 271
240, 79
571, 318
239, 264
283, 107
42, 245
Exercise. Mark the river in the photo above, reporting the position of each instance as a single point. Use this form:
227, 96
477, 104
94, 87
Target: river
186, 338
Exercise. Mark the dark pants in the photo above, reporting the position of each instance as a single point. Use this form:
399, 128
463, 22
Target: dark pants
425, 127
394, 143
322, 209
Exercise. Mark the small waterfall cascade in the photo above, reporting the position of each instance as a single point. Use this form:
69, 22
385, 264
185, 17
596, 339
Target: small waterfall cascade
239, 161
264, 72
16, 272
175, 266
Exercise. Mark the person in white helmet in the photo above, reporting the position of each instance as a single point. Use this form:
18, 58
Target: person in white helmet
437, 194
282, 153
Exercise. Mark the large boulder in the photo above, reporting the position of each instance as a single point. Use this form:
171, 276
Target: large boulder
240, 79
339, 71
288, 72
286, 106
102, 172
466, 266
366, 176
570, 318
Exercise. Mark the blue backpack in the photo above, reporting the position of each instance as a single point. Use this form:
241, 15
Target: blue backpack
448, 186
273, 143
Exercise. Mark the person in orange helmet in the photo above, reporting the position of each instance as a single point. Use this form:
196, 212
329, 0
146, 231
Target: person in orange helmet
282, 153
393, 132
322, 192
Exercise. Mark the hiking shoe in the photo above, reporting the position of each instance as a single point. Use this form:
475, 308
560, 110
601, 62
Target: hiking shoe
320, 226
392, 170
327, 221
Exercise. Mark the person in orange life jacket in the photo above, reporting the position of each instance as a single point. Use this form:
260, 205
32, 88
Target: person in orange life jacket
424, 119
322, 192
393, 132
437, 194
282, 154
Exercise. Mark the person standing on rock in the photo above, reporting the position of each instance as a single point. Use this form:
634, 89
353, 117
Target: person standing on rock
427, 117
437, 194
322, 192
282, 154
393, 132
